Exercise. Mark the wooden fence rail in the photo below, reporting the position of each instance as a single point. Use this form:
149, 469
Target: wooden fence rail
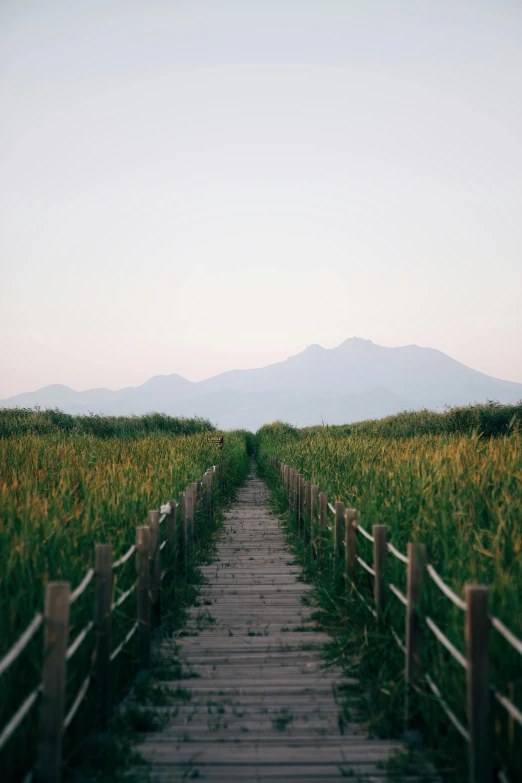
478, 620
178, 544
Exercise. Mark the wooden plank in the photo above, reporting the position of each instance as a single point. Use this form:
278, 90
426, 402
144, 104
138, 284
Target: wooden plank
253, 668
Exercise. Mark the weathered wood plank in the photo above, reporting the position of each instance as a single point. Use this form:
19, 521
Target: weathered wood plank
260, 704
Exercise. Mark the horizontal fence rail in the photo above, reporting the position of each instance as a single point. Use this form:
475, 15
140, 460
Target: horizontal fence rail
21, 643
179, 541
478, 621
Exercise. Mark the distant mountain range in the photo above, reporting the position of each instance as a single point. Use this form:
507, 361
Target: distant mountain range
355, 381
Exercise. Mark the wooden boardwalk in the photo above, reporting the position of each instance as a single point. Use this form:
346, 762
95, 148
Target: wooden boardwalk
261, 706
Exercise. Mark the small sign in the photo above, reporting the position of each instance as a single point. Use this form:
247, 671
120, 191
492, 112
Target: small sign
217, 440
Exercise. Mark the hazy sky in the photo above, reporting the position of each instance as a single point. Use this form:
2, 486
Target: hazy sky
191, 186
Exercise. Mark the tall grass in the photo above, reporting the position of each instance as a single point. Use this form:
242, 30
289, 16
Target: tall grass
21, 421
461, 495
60, 494
488, 420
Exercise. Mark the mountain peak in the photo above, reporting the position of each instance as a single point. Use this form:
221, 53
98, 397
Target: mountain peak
166, 383
356, 343
357, 379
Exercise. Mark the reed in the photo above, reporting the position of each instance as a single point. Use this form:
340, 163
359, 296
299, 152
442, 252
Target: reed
461, 496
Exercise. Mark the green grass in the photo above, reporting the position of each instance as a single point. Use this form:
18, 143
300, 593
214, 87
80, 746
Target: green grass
22, 421
60, 494
461, 495
282, 720
488, 420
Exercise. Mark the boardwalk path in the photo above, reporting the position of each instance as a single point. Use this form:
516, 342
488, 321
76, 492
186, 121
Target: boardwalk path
261, 707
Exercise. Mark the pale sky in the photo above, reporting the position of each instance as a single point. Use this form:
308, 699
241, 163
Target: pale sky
193, 186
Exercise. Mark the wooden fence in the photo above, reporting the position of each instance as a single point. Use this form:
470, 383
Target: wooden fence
170, 536
311, 510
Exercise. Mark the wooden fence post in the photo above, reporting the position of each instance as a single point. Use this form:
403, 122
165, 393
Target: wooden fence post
143, 601
415, 570
314, 491
477, 675
207, 480
299, 502
351, 539
302, 522
103, 567
189, 517
171, 532
338, 531
155, 571
49, 765
307, 509
195, 506
323, 517
183, 536
323, 510
379, 557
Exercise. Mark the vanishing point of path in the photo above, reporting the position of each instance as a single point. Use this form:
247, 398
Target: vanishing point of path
262, 707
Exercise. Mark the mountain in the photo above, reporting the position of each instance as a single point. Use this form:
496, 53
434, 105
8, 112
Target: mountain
356, 380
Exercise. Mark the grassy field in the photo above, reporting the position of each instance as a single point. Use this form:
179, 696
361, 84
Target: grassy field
22, 421
452, 481
461, 495
491, 420
60, 494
